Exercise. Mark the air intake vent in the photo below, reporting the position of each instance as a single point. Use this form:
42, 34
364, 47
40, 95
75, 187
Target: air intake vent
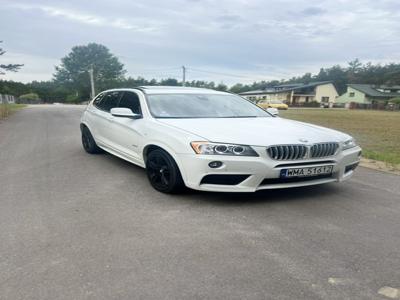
287, 152
323, 150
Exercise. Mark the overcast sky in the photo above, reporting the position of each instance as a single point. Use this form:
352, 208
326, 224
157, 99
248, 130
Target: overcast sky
241, 40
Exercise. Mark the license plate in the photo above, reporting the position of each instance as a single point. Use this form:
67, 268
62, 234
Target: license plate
306, 172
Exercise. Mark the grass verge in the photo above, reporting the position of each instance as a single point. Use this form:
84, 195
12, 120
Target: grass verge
8, 109
378, 132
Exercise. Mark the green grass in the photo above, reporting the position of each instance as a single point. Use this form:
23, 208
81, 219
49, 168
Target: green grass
378, 132
8, 109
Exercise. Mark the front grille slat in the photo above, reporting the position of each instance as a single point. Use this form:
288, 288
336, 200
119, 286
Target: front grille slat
296, 151
323, 146
286, 151
299, 151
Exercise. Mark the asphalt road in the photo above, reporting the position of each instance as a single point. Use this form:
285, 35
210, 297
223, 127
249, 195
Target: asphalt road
80, 226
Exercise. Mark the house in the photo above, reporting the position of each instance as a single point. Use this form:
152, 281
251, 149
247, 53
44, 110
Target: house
297, 94
368, 95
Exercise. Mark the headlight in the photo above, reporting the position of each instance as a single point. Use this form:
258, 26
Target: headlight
349, 144
222, 149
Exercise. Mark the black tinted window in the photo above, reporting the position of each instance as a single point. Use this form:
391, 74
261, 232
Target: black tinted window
110, 100
131, 100
98, 99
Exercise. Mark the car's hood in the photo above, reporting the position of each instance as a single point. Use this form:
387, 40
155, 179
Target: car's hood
256, 131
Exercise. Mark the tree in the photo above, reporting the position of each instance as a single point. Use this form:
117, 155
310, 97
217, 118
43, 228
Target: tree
8, 67
221, 87
355, 65
73, 72
170, 82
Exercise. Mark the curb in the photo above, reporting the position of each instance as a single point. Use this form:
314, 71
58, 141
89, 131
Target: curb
379, 166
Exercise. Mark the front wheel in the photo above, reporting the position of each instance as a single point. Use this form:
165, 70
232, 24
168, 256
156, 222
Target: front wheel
88, 142
163, 172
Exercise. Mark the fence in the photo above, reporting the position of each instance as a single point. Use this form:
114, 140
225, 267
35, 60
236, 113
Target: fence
7, 99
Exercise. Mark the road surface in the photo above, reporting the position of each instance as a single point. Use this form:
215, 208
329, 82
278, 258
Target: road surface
80, 226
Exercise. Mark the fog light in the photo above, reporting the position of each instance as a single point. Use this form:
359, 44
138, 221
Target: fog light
215, 164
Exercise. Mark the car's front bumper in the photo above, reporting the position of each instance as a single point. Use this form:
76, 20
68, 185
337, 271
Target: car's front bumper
262, 171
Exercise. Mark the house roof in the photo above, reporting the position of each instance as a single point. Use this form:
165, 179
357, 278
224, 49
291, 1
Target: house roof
285, 88
255, 92
371, 90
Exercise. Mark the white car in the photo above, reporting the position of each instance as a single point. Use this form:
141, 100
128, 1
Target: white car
213, 141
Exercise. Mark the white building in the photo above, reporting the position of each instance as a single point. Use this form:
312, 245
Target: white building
297, 93
7, 99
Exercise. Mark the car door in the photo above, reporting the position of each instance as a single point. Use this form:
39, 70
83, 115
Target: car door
93, 117
127, 132
104, 119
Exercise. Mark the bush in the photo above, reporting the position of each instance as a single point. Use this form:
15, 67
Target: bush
30, 97
72, 99
312, 104
395, 100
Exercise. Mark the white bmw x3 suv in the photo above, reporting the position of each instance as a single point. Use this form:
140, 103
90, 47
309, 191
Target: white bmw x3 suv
213, 141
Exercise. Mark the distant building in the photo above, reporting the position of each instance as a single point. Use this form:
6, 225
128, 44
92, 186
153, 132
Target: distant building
297, 93
368, 95
4, 99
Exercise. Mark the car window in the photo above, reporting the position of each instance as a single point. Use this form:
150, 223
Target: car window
97, 100
131, 100
110, 100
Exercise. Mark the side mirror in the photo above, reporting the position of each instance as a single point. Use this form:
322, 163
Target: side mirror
124, 112
273, 111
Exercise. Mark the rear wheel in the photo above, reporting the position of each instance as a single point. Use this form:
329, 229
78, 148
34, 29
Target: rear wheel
88, 142
163, 172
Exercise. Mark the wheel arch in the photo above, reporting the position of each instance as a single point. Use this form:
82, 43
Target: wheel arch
154, 145
84, 124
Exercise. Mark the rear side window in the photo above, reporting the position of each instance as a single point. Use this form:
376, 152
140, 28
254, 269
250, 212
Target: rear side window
110, 100
131, 100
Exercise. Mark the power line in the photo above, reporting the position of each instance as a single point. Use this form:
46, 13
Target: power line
158, 70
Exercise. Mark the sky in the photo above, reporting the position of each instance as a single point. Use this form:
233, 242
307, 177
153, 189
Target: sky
225, 41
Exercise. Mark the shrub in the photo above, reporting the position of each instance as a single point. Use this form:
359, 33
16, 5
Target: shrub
30, 97
395, 100
72, 98
311, 104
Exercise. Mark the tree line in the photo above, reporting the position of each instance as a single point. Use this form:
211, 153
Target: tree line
71, 83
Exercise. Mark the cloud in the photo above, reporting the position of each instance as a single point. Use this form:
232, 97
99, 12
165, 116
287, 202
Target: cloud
35, 67
91, 19
253, 39
312, 11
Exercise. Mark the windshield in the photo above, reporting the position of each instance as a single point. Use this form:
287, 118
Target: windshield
202, 106
276, 102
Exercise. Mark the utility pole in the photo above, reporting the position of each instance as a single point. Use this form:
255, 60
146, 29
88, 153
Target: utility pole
183, 75
92, 82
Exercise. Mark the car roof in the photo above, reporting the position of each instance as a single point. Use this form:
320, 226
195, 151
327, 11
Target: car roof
147, 89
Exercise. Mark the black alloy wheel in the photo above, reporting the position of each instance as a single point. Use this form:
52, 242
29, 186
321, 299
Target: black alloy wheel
88, 142
163, 172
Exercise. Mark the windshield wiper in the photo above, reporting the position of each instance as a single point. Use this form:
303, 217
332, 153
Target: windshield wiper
240, 117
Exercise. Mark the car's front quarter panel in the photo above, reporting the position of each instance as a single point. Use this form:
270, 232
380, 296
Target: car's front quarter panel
173, 140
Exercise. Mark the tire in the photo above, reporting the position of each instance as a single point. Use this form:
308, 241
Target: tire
88, 142
163, 172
